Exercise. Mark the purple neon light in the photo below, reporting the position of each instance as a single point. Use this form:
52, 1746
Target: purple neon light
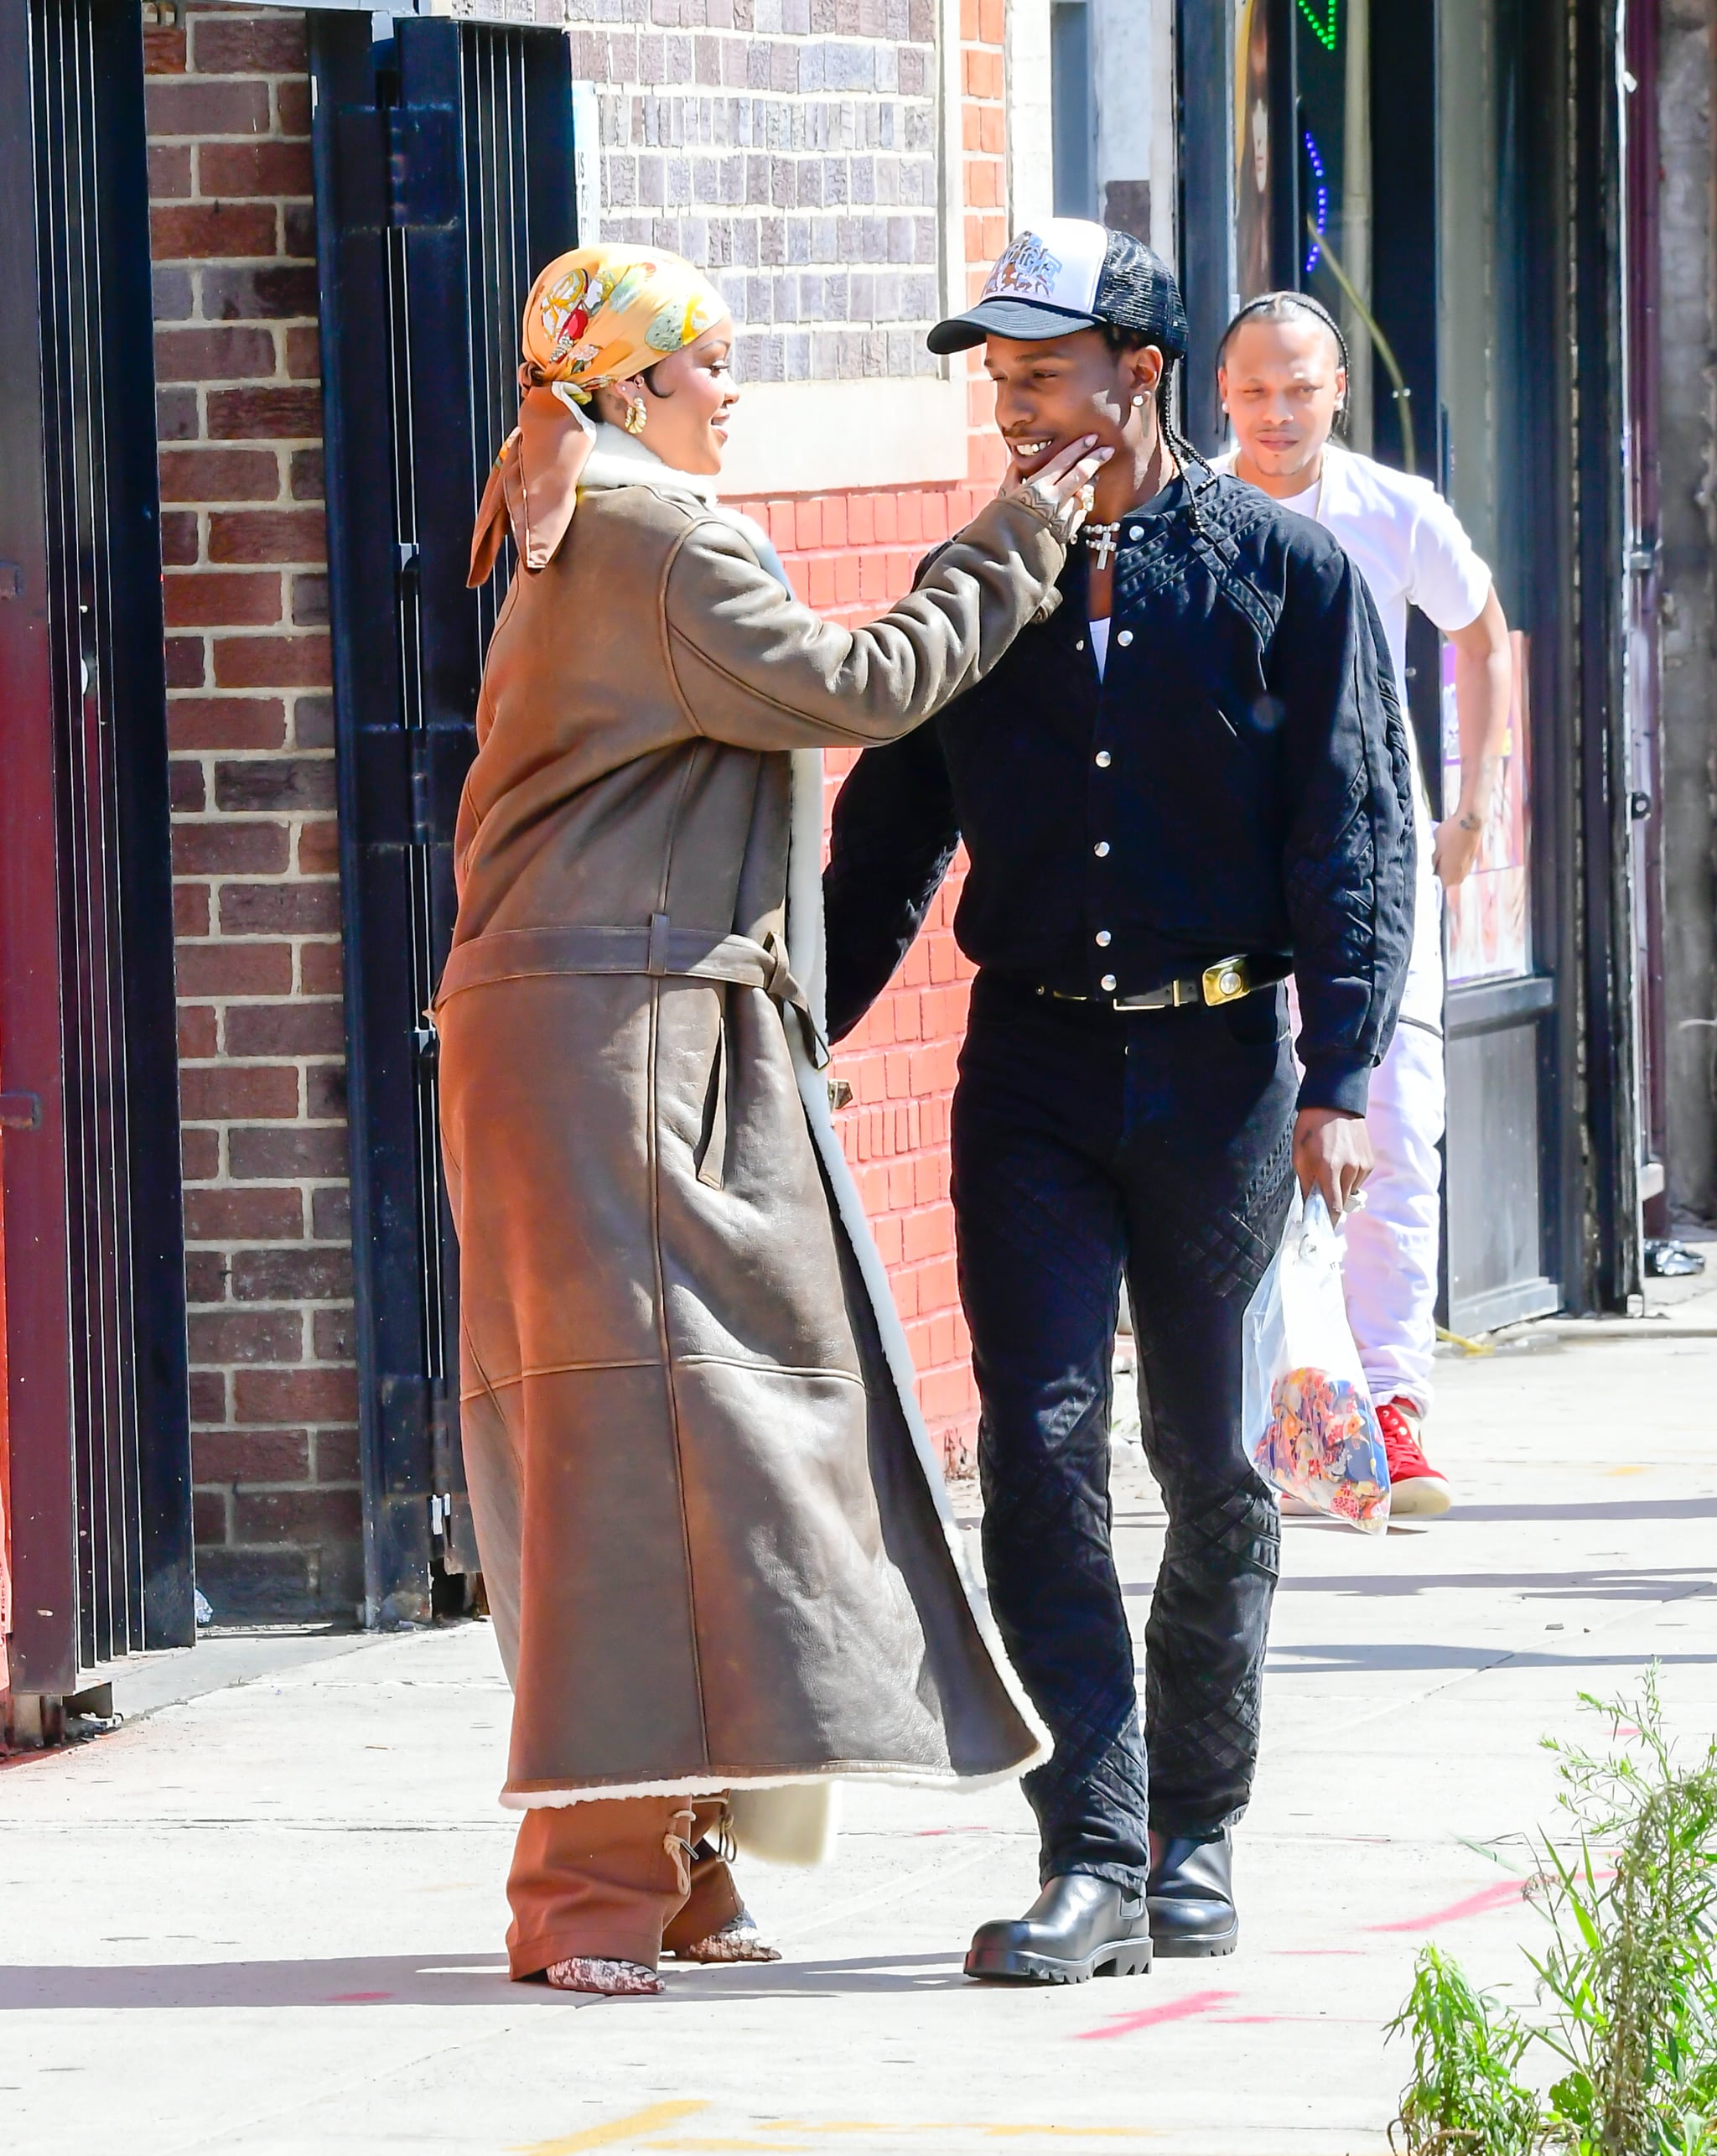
1322, 218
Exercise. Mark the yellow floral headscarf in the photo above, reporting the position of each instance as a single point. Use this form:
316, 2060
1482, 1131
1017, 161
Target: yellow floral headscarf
595, 317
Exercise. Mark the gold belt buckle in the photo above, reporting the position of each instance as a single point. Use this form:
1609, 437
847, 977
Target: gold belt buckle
1227, 981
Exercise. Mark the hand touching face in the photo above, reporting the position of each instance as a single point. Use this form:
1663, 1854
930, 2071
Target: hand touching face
1052, 392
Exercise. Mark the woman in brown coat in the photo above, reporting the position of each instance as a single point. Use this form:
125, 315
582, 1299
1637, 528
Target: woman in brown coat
712, 1535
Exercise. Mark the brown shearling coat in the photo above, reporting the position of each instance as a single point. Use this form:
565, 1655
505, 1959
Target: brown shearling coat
714, 1545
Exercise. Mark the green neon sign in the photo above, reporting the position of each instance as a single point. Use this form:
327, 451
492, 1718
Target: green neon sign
1325, 31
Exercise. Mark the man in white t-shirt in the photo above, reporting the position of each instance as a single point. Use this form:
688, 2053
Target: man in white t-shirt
1282, 368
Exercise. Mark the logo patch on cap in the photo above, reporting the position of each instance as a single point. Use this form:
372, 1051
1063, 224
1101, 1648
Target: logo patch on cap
1027, 271
1057, 265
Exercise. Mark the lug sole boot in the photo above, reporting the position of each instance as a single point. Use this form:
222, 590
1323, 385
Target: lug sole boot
1191, 1897
1078, 1928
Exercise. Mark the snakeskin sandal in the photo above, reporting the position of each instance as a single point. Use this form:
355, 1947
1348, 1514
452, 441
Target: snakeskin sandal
614, 1980
739, 1940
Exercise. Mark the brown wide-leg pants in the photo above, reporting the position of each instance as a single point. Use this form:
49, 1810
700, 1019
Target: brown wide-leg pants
615, 1877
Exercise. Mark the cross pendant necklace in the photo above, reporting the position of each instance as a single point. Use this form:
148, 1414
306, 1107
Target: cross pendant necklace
1102, 539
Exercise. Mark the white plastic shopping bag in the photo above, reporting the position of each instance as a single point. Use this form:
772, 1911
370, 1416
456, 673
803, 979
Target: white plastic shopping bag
1307, 1418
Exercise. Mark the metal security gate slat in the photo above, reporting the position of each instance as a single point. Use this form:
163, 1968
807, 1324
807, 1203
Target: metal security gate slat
97, 1410
109, 1533
444, 178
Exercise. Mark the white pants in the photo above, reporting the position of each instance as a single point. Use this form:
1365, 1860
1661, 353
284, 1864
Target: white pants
1391, 1272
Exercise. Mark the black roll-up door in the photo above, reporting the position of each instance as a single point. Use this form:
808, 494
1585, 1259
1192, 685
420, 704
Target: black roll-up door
444, 180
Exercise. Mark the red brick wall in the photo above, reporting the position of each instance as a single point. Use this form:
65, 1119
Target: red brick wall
273, 1391
850, 556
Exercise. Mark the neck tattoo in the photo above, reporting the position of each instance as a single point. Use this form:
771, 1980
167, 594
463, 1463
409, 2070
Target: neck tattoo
1103, 540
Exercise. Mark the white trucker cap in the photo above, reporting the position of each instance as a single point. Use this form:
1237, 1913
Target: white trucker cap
1068, 274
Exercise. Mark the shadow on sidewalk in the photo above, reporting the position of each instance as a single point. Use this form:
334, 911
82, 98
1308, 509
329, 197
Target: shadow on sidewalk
1625, 1507
1348, 1660
1607, 1583
433, 1980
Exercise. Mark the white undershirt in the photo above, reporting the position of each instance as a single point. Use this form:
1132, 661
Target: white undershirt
1306, 504
1100, 643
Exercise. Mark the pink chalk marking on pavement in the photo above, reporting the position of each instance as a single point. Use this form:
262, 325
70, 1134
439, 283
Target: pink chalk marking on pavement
357, 1999
1503, 1896
1123, 2024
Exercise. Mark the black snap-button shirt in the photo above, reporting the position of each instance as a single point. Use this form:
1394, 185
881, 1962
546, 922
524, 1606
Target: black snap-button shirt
1238, 780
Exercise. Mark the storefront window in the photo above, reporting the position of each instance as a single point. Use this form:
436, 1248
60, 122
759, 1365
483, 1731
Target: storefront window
1479, 364
1254, 201
1489, 916
1375, 169
1303, 162
1333, 145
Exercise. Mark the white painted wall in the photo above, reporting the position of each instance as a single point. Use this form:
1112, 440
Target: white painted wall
835, 437
1132, 60
1031, 174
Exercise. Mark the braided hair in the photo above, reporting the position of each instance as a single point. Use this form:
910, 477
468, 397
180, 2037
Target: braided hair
1284, 307
1120, 340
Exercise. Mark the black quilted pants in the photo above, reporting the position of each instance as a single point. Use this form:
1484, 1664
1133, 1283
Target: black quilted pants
1087, 1142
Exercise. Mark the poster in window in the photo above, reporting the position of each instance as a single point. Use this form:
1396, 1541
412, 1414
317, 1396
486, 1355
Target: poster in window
1252, 149
1488, 918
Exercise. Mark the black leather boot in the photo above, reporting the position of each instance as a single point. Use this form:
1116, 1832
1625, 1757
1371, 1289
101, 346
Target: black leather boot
1192, 1896
1079, 1927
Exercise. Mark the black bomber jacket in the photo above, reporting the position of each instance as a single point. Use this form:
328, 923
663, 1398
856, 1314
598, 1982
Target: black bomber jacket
1238, 780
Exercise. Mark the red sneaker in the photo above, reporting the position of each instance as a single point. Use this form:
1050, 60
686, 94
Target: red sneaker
1416, 1489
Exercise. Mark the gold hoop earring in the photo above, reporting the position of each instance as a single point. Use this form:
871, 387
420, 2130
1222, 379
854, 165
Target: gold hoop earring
636, 418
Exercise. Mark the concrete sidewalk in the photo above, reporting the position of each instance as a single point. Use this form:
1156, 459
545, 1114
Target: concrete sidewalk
267, 1918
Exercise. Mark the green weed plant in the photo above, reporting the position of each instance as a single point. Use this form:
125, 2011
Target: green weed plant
1626, 1986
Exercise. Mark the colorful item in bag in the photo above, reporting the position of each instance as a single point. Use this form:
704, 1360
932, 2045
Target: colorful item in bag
1323, 1445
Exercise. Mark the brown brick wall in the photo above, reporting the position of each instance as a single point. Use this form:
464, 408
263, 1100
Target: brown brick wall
273, 1391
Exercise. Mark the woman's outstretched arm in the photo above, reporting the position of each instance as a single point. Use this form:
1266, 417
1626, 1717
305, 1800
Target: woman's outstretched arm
756, 668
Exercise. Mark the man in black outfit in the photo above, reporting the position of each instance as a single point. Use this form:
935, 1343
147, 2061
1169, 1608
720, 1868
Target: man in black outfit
1187, 781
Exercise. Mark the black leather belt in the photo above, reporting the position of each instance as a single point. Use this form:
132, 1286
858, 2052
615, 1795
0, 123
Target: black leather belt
1224, 982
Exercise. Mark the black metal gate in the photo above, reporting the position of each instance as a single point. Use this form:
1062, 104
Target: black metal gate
97, 1414
444, 180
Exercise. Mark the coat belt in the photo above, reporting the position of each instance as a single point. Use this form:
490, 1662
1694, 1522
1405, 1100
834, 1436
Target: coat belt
659, 951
